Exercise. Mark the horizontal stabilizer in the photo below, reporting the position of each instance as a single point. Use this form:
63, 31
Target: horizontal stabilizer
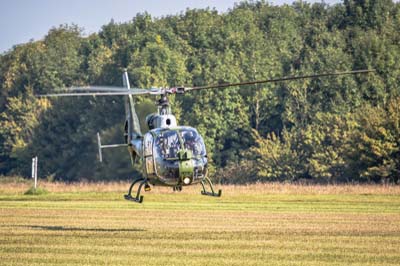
100, 146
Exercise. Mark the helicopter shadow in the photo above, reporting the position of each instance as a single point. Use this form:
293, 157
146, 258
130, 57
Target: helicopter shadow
78, 229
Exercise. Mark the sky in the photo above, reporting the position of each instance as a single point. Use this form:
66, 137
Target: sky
25, 20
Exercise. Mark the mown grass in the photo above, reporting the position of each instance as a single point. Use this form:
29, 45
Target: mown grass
273, 224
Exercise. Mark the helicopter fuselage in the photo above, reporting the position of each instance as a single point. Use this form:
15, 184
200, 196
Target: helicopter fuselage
172, 156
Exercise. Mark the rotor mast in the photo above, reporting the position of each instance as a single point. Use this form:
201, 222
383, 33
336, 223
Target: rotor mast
163, 105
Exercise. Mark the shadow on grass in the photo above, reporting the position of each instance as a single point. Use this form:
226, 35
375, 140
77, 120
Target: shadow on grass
33, 198
63, 228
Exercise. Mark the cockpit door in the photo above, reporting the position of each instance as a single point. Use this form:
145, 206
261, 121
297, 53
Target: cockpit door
148, 153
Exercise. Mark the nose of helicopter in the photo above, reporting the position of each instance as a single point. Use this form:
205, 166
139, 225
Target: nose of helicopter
186, 167
181, 171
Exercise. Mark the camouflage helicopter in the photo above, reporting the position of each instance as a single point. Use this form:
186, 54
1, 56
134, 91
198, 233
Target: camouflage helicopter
171, 155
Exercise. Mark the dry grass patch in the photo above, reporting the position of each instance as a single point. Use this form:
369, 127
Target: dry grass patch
262, 188
267, 224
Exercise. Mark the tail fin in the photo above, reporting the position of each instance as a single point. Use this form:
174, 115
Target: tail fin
131, 116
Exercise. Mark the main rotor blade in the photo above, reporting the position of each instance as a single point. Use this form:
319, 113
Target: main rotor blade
95, 89
113, 91
106, 93
225, 85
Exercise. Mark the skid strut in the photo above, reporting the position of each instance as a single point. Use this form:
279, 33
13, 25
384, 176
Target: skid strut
212, 193
138, 198
177, 188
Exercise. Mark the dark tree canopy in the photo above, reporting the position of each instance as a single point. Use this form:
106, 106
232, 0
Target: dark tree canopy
334, 129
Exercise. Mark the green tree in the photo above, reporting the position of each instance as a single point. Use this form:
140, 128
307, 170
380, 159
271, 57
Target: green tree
17, 124
377, 143
275, 159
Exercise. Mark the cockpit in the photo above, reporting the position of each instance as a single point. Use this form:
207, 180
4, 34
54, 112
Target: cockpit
170, 143
178, 155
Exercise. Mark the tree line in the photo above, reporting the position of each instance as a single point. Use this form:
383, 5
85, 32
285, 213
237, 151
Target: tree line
332, 129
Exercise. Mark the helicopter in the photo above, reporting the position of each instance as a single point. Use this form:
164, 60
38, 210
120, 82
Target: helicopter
171, 155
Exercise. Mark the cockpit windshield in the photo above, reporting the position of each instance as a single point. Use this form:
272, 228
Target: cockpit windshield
169, 142
178, 153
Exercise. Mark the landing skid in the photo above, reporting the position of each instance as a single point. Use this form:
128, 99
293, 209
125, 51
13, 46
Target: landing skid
143, 182
212, 193
138, 198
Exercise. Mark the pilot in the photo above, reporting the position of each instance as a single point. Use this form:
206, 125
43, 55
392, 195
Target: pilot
190, 142
171, 144
160, 144
175, 147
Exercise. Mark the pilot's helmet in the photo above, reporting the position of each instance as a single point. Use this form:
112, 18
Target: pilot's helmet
190, 136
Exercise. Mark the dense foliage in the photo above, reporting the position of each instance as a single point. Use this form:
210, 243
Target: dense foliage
334, 129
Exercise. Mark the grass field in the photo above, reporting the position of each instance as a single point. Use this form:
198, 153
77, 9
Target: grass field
272, 224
